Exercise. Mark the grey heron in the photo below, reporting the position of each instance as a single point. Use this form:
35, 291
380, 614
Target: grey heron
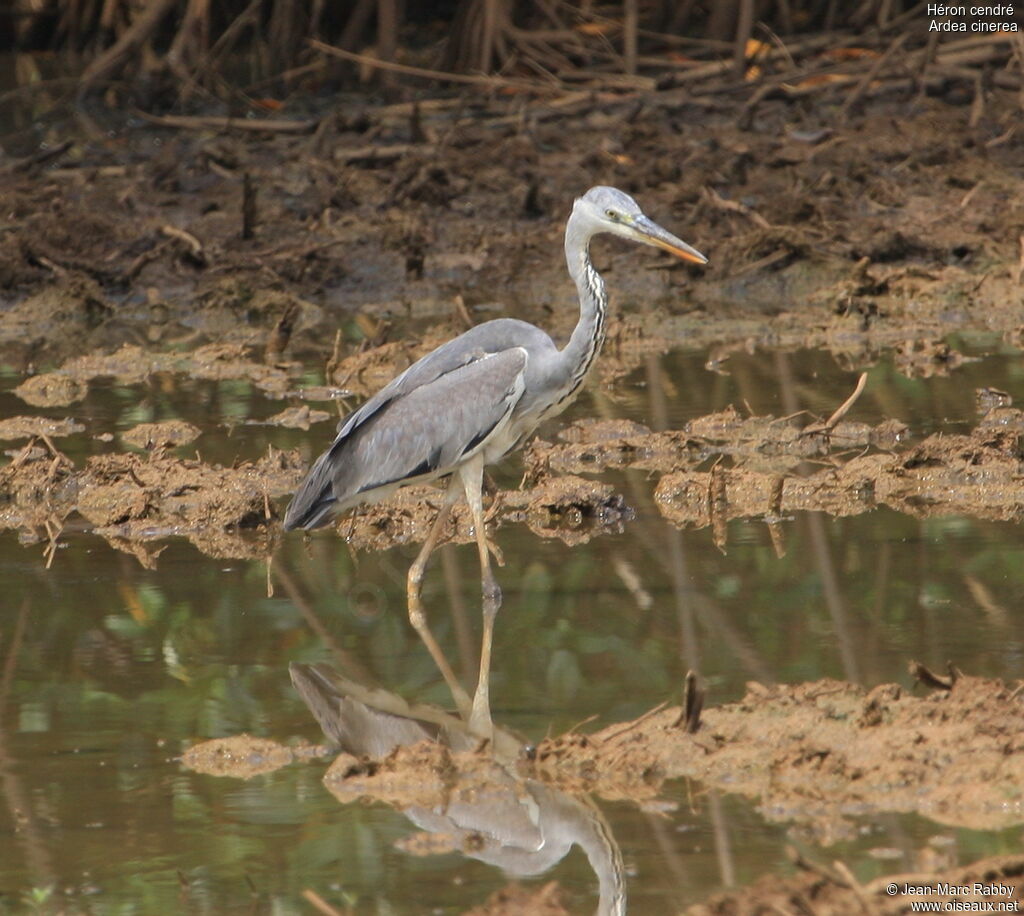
465, 405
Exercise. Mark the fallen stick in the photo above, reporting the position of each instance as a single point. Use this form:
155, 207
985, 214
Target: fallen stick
214, 122
493, 82
734, 206
194, 245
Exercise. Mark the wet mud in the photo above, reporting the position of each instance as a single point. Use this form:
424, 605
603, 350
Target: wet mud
243, 756
135, 501
843, 244
131, 364
719, 467
515, 900
977, 475
820, 758
820, 755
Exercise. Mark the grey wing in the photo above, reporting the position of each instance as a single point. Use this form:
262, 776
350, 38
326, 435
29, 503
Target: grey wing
425, 432
485, 339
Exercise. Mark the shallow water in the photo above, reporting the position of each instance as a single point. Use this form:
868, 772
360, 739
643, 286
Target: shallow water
111, 670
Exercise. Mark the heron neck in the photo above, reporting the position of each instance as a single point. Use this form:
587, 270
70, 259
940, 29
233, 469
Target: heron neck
588, 336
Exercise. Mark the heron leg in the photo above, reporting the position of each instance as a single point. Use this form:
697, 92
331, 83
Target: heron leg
480, 717
416, 616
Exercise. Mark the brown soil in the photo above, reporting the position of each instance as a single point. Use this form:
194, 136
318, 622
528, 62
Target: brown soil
127, 498
764, 443
170, 434
818, 755
132, 364
893, 243
131, 500
977, 475
33, 427
897, 227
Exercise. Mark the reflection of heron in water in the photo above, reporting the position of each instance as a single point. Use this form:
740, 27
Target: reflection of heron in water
521, 826
465, 405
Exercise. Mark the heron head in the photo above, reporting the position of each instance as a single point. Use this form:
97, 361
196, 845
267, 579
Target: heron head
613, 211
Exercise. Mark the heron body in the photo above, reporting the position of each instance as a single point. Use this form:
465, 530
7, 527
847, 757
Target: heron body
467, 404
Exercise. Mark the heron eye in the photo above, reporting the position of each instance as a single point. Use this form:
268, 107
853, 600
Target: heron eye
612, 215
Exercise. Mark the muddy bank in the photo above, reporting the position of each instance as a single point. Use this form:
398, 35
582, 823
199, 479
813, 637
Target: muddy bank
821, 757
134, 502
891, 229
132, 364
125, 259
976, 475
717, 468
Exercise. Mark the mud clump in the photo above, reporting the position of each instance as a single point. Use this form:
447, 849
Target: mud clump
976, 475
418, 775
31, 427
243, 756
169, 434
52, 389
240, 756
132, 365
569, 508
516, 900
128, 498
765, 442
819, 755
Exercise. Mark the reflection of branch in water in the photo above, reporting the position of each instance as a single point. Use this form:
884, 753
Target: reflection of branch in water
723, 848
667, 547
674, 862
817, 535
477, 804
686, 598
345, 658
690, 602
19, 804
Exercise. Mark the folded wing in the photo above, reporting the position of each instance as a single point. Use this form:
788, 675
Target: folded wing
410, 432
